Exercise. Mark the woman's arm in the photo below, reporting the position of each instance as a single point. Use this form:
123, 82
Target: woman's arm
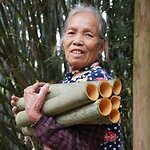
57, 137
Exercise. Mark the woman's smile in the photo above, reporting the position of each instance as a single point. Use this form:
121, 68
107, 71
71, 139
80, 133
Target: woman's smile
77, 53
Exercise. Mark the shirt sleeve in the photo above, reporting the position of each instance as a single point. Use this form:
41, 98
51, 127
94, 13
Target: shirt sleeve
82, 137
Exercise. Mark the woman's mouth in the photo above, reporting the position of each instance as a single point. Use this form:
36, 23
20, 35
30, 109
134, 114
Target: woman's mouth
77, 52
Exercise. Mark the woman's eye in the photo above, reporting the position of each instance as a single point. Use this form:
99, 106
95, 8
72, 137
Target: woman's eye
70, 33
89, 35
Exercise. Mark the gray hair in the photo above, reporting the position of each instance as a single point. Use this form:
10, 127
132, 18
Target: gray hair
83, 8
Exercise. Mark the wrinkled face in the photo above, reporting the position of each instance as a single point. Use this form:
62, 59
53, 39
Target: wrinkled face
81, 42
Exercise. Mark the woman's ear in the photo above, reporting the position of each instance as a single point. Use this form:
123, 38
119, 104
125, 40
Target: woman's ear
102, 45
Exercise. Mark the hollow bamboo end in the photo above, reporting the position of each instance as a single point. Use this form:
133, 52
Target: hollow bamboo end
105, 89
92, 91
114, 116
21, 119
20, 104
115, 100
117, 86
28, 131
105, 107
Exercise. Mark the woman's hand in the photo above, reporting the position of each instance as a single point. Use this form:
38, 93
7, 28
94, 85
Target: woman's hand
34, 97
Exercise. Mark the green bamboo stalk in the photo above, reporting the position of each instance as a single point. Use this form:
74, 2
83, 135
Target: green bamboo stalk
113, 117
100, 108
94, 113
64, 89
28, 130
77, 97
74, 96
104, 88
98, 121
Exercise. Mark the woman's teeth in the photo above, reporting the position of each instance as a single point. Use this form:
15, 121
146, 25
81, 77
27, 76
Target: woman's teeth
77, 52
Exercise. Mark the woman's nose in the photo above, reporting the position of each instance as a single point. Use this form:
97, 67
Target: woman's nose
78, 41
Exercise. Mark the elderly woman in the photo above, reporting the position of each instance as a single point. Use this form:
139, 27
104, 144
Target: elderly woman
83, 40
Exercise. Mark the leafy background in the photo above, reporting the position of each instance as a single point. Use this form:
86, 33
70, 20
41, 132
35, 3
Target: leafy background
30, 52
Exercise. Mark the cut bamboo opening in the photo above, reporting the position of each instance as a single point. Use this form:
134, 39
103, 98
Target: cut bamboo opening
20, 104
105, 89
28, 131
117, 86
92, 91
114, 116
115, 100
104, 107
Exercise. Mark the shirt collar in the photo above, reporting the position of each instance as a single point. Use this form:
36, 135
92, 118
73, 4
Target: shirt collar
93, 65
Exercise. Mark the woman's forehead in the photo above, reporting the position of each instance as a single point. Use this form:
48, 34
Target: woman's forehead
85, 18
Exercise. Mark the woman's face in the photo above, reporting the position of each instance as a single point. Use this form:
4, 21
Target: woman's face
81, 42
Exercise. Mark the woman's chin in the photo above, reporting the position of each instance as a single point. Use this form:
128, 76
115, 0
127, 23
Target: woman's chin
76, 65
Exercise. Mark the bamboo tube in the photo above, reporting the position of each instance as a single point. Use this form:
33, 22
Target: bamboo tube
114, 116
28, 131
101, 107
62, 89
65, 102
73, 99
98, 120
71, 93
20, 104
95, 113
55, 90
115, 100
116, 86
104, 88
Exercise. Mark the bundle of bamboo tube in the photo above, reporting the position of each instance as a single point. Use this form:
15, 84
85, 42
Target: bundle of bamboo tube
93, 102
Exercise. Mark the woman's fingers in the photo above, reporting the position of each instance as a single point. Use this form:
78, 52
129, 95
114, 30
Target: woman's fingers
35, 88
13, 103
14, 110
41, 96
13, 97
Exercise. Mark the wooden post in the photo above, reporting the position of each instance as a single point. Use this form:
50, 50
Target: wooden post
141, 76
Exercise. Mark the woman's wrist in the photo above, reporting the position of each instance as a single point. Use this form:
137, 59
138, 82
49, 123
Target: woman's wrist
34, 117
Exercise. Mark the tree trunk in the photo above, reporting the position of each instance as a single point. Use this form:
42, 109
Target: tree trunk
141, 76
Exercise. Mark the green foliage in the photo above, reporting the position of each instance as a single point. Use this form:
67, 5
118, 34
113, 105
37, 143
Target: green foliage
28, 53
